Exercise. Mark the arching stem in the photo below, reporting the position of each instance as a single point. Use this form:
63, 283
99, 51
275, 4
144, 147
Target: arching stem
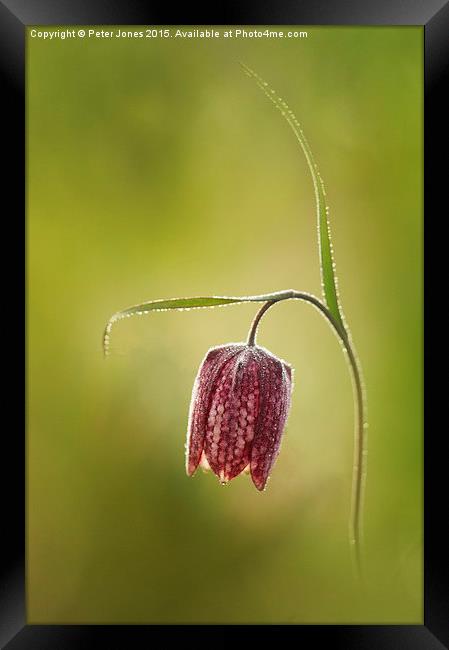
358, 475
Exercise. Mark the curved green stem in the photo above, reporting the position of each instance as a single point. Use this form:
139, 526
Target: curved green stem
358, 475
331, 309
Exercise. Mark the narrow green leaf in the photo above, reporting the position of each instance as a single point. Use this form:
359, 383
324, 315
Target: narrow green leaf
327, 265
183, 304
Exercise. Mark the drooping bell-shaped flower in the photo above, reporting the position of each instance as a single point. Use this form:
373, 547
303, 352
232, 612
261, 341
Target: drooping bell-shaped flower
240, 403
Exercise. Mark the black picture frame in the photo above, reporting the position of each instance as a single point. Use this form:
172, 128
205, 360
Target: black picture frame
15, 16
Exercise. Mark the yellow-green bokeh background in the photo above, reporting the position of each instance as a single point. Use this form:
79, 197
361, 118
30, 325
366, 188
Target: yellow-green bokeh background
157, 169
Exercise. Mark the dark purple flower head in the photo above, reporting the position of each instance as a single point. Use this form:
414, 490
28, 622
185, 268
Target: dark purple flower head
239, 407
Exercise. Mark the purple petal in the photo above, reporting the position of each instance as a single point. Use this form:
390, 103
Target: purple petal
203, 388
275, 393
232, 416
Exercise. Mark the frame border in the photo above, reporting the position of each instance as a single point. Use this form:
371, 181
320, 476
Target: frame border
15, 17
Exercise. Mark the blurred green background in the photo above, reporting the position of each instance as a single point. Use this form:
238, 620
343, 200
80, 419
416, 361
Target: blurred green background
156, 168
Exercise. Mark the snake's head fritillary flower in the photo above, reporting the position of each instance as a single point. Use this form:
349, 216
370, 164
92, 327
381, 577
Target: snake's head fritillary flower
240, 403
